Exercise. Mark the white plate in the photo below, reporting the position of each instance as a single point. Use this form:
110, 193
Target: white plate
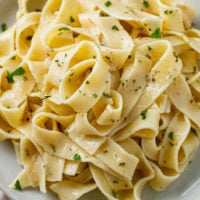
185, 188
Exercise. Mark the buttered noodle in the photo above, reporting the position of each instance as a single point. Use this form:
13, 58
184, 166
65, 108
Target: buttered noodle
101, 94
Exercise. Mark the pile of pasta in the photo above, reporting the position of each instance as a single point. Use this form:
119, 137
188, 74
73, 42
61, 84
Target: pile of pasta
101, 94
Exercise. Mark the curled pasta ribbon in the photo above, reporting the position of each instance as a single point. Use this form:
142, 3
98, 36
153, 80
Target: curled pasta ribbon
143, 173
55, 11
54, 167
13, 100
116, 44
133, 81
7, 132
62, 37
117, 159
25, 30
170, 153
64, 61
106, 186
163, 177
33, 173
14, 116
41, 132
165, 69
147, 128
112, 112
38, 70
86, 80
190, 38
120, 11
7, 42
55, 140
105, 95
86, 135
188, 106
71, 190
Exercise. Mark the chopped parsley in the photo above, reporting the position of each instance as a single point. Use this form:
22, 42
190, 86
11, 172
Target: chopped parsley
168, 12
87, 82
114, 193
17, 72
122, 164
114, 27
72, 19
156, 34
144, 114
66, 131
13, 58
108, 3
176, 56
25, 78
171, 135
149, 48
95, 95
46, 96
107, 95
52, 147
115, 181
3, 27
77, 157
63, 29
146, 4
18, 185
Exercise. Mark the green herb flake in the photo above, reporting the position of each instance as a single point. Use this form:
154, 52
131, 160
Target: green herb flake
114, 27
176, 56
63, 29
149, 48
95, 95
122, 164
77, 157
13, 58
108, 3
106, 95
146, 4
148, 56
3, 27
46, 97
66, 131
72, 19
52, 146
25, 78
87, 82
114, 193
17, 72
18, 185
156, 34
115, 181
171, 135
144, 114
168, 12
103, 14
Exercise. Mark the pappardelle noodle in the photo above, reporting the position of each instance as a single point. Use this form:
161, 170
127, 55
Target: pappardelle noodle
101, 94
